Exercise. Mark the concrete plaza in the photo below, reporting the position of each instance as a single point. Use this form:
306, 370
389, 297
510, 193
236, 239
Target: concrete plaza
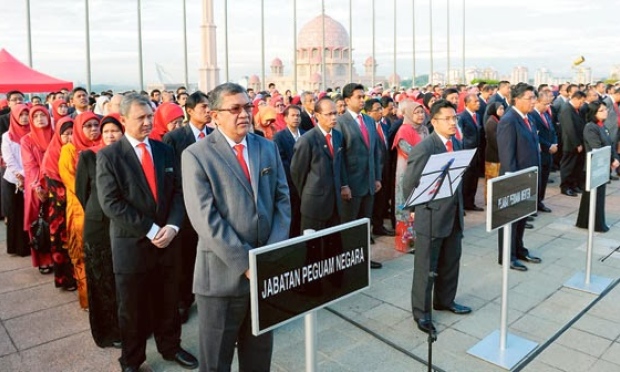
43, 329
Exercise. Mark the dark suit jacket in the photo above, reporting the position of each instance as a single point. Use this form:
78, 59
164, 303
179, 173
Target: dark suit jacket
517, 144
595, 137
180, 138
557, 104
546, 134
230, 214
306, 122
362, 163
317, 175
497, 98
285, 141
572, 128
85, 184
444, 210
471, 130
126, 199
483, 107
385, 150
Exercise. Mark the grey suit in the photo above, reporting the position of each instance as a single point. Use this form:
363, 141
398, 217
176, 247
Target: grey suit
438, 246
612, 121
232, 217
362, 166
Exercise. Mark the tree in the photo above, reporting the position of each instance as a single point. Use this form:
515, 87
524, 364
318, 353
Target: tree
488, 81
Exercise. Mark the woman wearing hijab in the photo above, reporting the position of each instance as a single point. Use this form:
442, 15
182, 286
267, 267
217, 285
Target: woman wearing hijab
595, 136
168, 117
495, 111
101, 105
103, 313
33, 146
86, 135
59, 109
410, 133
266, 121
277, 102
56, 210
13, 182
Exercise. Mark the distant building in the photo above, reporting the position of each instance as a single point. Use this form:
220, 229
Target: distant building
615, 72
519, 75
438, 78
455, 77
472, 74
490, 73
543, 76
582, 75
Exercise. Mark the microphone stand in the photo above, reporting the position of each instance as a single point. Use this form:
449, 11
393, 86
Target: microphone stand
432, 333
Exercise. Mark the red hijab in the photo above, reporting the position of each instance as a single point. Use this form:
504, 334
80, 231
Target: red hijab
280, 123
41, 137
55, 105
52, 155
80, 141
16, 131
165, 113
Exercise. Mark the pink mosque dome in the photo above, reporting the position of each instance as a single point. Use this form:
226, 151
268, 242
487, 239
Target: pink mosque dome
316, 78
254, 80
277, 62
370, 61
311, 34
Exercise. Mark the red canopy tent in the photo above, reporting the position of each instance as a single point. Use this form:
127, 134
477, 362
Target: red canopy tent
15, 75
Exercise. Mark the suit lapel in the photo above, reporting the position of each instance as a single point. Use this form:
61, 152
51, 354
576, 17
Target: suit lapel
255, 166
189, 135
228, 156
158, 162
133, 162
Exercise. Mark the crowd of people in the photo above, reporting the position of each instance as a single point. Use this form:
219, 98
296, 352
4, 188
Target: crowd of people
153, 199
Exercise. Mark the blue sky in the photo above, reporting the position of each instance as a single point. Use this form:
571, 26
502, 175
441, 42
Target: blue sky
500, 34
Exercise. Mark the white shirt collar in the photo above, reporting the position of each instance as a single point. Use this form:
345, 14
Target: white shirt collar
196, 131
322, 131
443, 139
295, 136
232, 143
134, 142
518, 112
354, 115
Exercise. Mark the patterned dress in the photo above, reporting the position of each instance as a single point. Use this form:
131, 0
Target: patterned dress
56, 211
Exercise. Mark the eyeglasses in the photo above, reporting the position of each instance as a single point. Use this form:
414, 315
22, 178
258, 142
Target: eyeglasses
91, 126
236, 110
451, 119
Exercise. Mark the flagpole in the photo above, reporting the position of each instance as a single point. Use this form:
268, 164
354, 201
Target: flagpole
28, 30
262, 42
185, 71
323, 87
140, 63
413, 28
87, 19
372, 72
394, 67
430, 14
295, 45
448, 38
350, 41
464, 78
226, 70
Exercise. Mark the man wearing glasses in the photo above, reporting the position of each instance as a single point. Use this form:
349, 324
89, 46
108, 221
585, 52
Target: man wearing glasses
438, 246
237, 198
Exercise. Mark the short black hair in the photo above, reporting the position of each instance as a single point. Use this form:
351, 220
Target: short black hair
449, 91
155, 91
519, 90
182, 94
179, 88
289, 108
542, 86
78, 89
271, 85
570, 87
503, 83
347, 90
12, 93
195, 98
317, 105
578, 95
385, 101
249, 90
438, 105
369, 103
593, 110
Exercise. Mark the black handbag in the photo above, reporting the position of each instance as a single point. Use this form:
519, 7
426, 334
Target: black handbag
40, 229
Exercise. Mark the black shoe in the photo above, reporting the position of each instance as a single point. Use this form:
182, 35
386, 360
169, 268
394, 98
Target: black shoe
516, 265
530, 259
535, 214
550, 181
529, 218
372, 240
569, 192
184, 359
183, 314
375, 265
614, 178
604, 229
426, 325
577, 190
474, 208
117, 345
130, 369
382, 231
543, 208
455, 308
529, 226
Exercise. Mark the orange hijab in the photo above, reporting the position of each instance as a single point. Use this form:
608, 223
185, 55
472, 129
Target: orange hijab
41, 137
165, 113
16, 131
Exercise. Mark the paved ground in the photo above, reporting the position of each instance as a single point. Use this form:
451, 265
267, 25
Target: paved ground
43, 329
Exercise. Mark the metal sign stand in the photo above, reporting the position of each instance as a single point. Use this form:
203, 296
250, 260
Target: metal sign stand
501, 347
310, 331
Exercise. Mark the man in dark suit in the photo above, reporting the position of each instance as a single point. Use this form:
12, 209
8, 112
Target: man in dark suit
139, 188
472, 127
548, 141
237, 199
362, 158
373, 108
196, 129
286, 139
79, 100
316, 169
438, 246
518, 149
307, 114
503, 91
571, 165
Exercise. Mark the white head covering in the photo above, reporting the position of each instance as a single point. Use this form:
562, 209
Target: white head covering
99, 109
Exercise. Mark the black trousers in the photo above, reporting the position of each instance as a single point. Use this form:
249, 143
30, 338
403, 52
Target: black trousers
517, 250
545, 169
571, 169
599, 212
225, 322
140, 295
380, 206
470, 184
295, 229
187, 241
357, 207
442, 257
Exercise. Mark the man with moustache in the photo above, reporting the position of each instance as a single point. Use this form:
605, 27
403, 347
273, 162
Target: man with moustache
438, 246
518, 150
286, 139
236, 198
316, 169
139, 188
197, 105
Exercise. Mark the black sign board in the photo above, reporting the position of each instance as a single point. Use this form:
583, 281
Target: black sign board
296, 276
511, 197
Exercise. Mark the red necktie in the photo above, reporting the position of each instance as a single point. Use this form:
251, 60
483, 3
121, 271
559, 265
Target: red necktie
527, 122
458, 133
244, 166
313, 121
449, 145
201, 135
364, 130
328, 138
475, 119
149, 170
542, 116
380, 132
